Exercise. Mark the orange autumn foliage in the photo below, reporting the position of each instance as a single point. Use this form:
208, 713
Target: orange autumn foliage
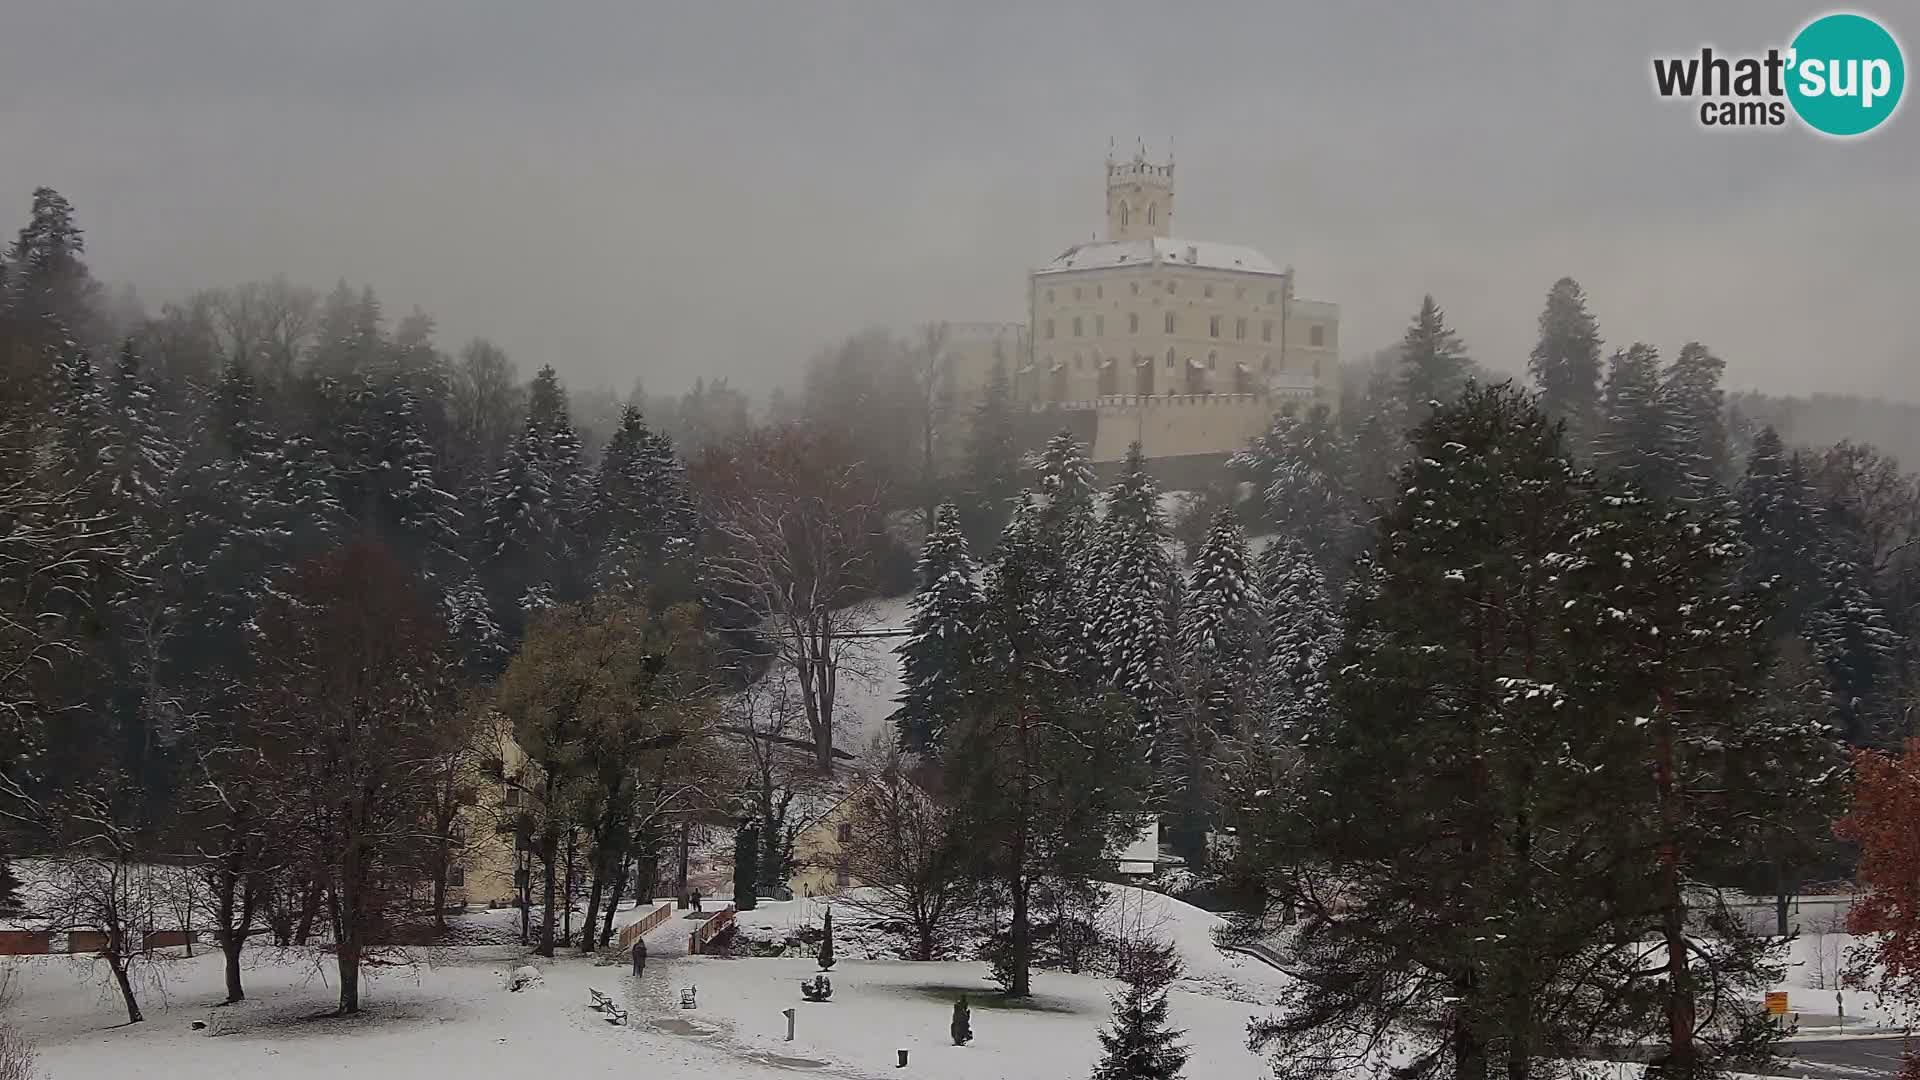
1885, 823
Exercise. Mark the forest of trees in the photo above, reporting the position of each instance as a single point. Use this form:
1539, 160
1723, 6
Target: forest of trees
1479, 695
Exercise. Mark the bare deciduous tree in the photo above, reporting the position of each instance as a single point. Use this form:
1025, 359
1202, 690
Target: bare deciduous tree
794, 522
351, 666
902, 853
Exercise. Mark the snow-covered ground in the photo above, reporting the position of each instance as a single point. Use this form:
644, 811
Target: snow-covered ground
868, 690
451, 1014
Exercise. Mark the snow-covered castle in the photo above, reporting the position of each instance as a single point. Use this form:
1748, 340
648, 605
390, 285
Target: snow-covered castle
1188, 346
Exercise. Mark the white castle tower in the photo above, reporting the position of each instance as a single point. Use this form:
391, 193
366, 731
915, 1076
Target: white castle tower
1139, 198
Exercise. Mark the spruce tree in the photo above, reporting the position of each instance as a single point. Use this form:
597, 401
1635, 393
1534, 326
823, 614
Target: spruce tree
1452, 793
1219, 638
1434, 367
1130, 584
1565, 363
938, 649
1303, 470
1694, 410
992, 468
50, 295
1634, 433
1684, 653
1139, 1044
643, 518
1303, 632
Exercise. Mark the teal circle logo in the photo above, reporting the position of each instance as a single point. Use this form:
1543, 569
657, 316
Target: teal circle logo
1846, 74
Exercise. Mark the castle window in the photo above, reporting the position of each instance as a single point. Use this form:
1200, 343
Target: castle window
1133, 323
1076, 326
1136, 288
1172, 287
1099, 292
1049, 328
1099, 325
1169, 357
1213, 326
456, 877
1123, 214
1273, 296
1207, 291
1240, 329
1266, 330
1169, 322
1049, 296
1317, 336
1211, 357
1153, 210
1240, 293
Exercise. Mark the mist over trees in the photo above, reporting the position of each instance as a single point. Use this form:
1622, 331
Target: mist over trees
1478, 699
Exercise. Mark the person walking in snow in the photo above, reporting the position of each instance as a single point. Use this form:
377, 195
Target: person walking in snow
696, 899
639, 955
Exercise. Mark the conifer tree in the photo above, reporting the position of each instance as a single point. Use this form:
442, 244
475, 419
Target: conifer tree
938, 649
1303, 632
643, 517
1303, 470
1139, 1044
1220, 628
992, 469
1695, 440
1434, 367
1565, 363
1130, 585
50, 294
1634, 432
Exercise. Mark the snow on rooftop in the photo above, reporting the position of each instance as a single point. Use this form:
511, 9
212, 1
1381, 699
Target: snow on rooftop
1161, 250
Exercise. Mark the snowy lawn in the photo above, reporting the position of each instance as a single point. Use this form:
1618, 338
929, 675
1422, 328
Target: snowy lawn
452, 1015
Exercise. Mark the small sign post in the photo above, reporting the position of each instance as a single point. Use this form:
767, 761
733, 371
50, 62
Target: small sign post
1777, 1005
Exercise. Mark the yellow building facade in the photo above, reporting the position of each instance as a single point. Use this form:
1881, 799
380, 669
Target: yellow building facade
1188, 346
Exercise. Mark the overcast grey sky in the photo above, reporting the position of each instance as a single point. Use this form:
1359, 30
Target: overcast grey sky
663, 190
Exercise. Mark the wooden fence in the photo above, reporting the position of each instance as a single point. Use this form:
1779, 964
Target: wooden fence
41, 942
633, 931
709, 930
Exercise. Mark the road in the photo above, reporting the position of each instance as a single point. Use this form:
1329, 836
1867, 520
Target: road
1865, 1057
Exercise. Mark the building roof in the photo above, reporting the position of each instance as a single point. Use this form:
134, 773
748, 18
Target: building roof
1163, 250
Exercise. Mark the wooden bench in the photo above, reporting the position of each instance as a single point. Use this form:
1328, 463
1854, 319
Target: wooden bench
605, 1005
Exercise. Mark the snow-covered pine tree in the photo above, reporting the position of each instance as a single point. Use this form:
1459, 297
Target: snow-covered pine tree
1434, 366
1855, 645
1693, 408
1129, 582
1303, 469
141, 456
569, 483
992, 468
1781, 529
1633, 438
521, 527
643, 517
937, 654
1219, 640
1139, 1044
417, 516
1221, 621
1681, 650
1303, 632
1565, 362
50, 294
